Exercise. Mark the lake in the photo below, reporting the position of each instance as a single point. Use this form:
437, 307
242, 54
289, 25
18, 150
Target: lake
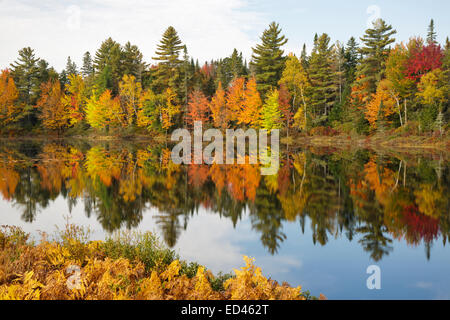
320, 222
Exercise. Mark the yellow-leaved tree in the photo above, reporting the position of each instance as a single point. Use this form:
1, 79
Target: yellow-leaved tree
170, 109
104, 111
75, 98
130, 93
296, 80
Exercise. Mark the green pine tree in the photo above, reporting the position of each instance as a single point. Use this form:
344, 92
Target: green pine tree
168, 73
110, 55
375, 51
431, 35
71, 67
323, 91
351, 56
25, 72
133, 61
88, 69
267, 59
304, 58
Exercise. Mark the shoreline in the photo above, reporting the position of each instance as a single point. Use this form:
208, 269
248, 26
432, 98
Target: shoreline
385, 141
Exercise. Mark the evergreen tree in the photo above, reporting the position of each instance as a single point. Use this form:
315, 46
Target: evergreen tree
132, 61
44, 74
71, 67
237, 66
88, 69
169, 67
323, 78
351, 57
25, 72
375, 52
338, 68
304, 58
431, 35
186, 74
230, 68
109, 55
267, 58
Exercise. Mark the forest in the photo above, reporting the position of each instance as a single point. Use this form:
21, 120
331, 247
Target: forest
363, 87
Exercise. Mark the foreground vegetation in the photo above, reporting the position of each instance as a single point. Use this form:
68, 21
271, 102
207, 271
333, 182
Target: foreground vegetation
128, 266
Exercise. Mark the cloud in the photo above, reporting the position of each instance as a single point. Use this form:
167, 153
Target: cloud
55, 29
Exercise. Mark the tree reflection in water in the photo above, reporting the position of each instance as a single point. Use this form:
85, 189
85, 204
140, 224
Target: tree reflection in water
373, 196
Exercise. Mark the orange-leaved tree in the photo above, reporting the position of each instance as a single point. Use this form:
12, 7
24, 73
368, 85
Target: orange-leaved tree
219, 108
53, 112
9, 110
382, 104
236, 99
198, 108
250, 115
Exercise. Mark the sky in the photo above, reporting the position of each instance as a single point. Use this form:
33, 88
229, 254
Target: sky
210, 28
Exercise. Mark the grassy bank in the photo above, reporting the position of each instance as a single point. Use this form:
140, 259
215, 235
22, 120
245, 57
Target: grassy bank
127, 266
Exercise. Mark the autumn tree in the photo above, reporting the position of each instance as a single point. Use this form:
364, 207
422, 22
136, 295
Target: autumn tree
296, 80
75, 99
381, 106
169, 110
401, 87
130, 92
235, 99
218, 108
270, 113
250, 115
433, 91
198, 108
103, 111
148, 115
284, 102
53, 112
10, 110
423, 59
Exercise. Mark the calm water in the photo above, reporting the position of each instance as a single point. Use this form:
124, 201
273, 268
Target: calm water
320, 222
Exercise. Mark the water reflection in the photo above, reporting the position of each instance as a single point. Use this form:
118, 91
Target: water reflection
377, 197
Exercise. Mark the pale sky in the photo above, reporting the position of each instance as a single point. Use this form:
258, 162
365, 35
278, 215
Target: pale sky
210, 28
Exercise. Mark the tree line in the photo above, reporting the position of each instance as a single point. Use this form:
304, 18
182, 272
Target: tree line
362, 88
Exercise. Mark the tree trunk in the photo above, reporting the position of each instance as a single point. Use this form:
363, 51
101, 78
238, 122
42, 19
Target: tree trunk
406, 116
